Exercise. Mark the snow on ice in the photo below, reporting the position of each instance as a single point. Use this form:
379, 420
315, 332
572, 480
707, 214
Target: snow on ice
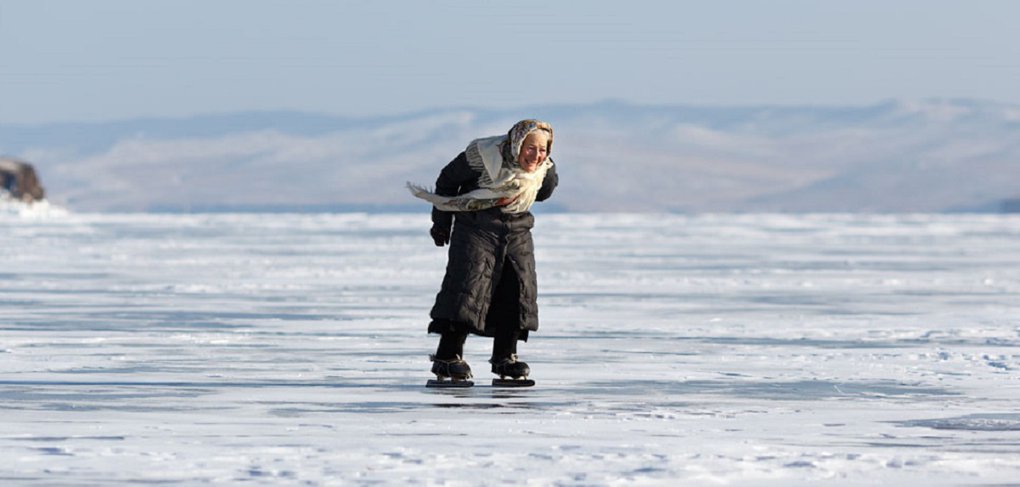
713, 349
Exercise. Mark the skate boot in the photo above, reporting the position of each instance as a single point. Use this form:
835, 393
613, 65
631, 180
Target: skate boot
453, 372
517, 372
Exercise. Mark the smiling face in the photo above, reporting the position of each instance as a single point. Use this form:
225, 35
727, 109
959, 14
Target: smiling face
534, 150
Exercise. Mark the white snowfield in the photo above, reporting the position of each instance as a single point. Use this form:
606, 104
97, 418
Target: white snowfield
705, 350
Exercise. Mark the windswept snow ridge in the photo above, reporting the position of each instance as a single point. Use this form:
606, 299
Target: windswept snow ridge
37, 209
715, 349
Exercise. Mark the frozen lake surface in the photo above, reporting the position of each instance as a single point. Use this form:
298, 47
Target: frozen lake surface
717, 349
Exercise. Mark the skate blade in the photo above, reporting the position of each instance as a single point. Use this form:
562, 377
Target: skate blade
512, 382
448, 383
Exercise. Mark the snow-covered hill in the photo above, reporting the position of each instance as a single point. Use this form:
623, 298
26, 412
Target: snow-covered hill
897, 156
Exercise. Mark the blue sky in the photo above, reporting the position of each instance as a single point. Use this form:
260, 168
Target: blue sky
110, 60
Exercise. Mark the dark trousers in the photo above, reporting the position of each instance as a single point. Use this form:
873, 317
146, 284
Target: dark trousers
502, 321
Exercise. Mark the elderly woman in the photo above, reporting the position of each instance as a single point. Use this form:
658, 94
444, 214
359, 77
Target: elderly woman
490, 287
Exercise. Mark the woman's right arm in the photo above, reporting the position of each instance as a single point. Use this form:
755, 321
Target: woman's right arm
452, 181
454, 176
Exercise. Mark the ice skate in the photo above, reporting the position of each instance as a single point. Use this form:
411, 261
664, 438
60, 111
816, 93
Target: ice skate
454, 372
511, 372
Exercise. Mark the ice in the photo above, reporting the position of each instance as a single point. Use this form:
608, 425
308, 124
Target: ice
976, 422
709, 349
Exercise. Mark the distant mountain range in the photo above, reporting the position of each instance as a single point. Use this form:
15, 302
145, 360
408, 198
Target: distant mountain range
896, 156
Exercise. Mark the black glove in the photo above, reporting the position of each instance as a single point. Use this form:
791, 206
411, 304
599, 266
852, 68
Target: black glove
440, 235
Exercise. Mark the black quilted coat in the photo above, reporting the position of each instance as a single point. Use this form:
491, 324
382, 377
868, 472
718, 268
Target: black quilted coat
490, 274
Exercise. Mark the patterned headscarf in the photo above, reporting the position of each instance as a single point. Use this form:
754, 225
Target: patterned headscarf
522, 129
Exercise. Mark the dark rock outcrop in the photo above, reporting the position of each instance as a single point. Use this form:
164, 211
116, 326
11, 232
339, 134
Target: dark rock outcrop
19, 179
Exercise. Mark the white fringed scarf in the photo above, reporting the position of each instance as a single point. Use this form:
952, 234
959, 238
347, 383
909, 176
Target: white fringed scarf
502, 183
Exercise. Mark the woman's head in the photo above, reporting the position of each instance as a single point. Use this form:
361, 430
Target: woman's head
530, 143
